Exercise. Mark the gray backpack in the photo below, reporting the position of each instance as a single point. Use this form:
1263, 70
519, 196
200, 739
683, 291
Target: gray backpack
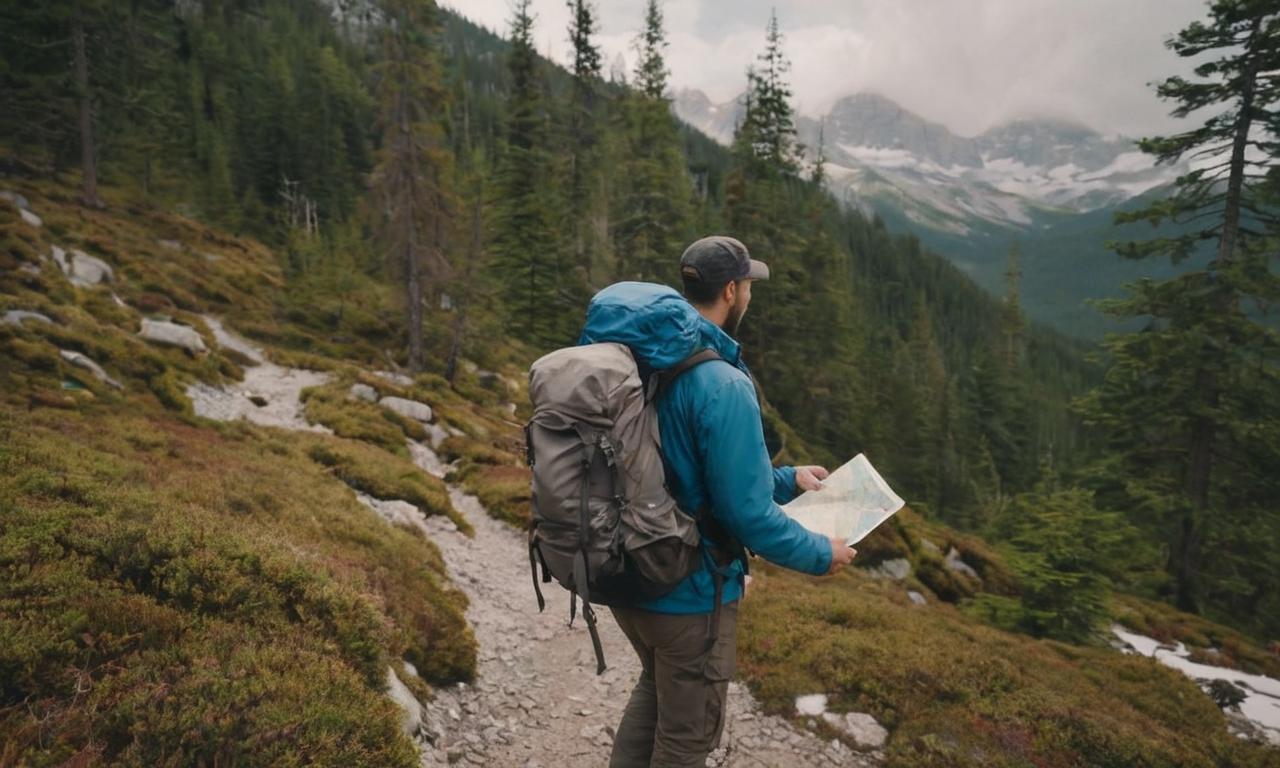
604, 524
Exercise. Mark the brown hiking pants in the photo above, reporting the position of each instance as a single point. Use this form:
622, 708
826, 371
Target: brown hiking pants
677, 709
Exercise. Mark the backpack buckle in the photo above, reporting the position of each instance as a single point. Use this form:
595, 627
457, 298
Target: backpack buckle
606, 448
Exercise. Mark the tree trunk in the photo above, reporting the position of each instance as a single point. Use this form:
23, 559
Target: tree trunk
408, 203
464, 296
88, 164
1235, 178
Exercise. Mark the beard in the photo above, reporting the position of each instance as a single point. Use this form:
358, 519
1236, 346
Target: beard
734, 319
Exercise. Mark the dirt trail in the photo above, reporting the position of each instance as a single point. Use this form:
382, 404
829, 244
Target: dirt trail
537, 700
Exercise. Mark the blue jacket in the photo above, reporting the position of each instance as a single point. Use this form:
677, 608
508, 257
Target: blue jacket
712, 439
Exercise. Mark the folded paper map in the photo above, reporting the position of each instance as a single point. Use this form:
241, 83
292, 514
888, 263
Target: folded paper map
852, 502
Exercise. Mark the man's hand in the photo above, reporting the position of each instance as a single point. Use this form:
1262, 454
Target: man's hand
810, 478
841, 555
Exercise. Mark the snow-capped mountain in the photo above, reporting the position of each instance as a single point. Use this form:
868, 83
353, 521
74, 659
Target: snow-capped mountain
879, 154
1051, 186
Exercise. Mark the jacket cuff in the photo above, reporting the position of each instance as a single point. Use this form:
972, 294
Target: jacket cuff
824, 554
784, 484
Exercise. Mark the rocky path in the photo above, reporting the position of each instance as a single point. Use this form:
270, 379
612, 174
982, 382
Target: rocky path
536, 700
269, 394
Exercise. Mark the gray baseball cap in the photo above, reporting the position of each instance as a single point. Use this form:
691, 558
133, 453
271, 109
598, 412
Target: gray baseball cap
717, 259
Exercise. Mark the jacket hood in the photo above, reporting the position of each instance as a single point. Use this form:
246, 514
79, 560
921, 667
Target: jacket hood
657, 323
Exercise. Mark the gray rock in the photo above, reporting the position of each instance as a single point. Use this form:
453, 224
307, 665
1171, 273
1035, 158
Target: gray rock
16, 316
82, 269
364, 392
163, 332
408, 408
30, 217
861, 727
954, 563
80, 361
19, 201
395, 378
30, 269
172, 245
929, 546
917, 598
897, 569
411, 720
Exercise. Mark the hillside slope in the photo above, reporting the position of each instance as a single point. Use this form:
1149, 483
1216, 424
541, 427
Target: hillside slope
175, 589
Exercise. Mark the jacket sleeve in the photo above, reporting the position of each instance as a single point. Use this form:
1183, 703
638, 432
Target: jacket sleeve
784, 484
740, 482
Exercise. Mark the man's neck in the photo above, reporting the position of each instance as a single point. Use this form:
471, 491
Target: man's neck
716, 315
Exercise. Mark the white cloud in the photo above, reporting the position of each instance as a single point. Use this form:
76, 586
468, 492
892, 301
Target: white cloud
969, 64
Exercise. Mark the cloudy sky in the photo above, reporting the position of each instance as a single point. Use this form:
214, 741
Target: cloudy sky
969, 64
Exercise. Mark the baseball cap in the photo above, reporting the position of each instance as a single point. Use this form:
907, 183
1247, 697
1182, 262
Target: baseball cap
718, 259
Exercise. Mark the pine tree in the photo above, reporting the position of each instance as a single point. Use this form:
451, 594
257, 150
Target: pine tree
411, 179
1180, 406
587, 203
539, 294
651, 223
769, 118
651, 71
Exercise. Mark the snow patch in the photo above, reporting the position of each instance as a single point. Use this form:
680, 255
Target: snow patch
1261, 704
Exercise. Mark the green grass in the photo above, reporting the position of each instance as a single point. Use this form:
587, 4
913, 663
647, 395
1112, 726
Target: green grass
371, 471
494, 475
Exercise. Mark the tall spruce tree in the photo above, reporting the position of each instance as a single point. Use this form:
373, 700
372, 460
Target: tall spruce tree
771, 121
587, 203
412, 177
1190, 406
526, 243
651, 223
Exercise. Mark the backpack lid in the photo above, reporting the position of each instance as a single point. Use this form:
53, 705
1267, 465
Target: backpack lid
659, 326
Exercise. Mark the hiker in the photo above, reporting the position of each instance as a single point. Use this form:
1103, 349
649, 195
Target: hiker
716, 464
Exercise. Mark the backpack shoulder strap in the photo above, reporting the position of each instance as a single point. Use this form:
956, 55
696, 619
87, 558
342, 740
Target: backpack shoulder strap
665, 378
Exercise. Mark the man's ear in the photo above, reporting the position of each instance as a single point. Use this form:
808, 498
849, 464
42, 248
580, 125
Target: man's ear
730, 292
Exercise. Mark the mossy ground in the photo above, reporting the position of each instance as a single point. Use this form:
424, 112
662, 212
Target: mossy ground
954, 692
178, 591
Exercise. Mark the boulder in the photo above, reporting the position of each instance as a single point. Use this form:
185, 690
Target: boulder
30, 217
163, 332
408, 408
80, 361
861, 727
363, 392
410, 708
81, 268
917, 598
16, 316
30, 269
172, 245
897, 569
954, 563
19, 201
395, 378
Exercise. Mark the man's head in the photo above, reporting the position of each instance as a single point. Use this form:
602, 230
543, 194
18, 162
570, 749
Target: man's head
717, 272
